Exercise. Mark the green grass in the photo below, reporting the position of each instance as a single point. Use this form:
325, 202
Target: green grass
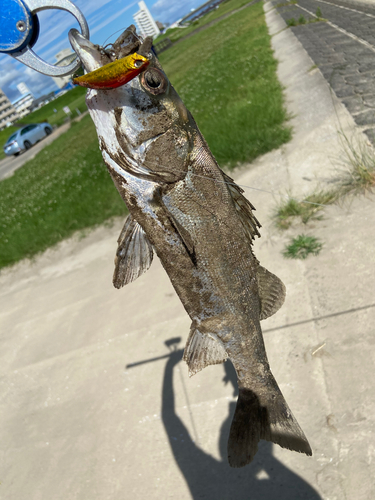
357, 168
302, 246
308, 209
75, 98
302, 20
65, 188
356, 175
226, 75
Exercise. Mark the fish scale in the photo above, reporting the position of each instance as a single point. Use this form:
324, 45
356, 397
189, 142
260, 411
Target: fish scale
197, 221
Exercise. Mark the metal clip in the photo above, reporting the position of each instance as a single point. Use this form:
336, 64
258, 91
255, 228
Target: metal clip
22, 33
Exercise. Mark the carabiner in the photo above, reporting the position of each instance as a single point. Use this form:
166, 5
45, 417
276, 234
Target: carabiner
20, 30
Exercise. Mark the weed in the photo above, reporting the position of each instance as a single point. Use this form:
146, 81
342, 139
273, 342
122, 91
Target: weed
302, 246
285, 4
318, 13
314, 66
309, 209
358, 162
301, 20
357, 175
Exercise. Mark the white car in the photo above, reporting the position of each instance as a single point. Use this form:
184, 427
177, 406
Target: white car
25, 137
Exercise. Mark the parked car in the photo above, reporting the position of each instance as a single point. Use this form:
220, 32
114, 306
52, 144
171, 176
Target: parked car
26, 137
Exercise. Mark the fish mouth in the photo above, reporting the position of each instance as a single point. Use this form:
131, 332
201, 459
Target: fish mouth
89, 54
94, 56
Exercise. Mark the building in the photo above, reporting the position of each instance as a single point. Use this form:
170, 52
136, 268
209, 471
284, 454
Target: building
64, 57
8, 114
145, 22
23, 89
23, 104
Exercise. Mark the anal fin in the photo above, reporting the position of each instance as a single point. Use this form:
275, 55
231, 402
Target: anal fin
134, 253
271, 292
201, 350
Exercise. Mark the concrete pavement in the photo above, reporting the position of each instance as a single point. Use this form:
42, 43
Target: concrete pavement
77, 422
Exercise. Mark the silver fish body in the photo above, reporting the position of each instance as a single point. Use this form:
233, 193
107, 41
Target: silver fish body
201, 227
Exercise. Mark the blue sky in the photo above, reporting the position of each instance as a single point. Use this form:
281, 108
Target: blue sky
104, 18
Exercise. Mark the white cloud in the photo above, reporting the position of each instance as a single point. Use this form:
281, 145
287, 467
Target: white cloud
8, 74
13, 73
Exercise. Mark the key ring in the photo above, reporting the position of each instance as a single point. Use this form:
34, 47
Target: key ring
20, 30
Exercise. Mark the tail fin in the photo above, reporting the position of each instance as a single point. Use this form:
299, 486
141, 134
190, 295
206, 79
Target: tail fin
272, 421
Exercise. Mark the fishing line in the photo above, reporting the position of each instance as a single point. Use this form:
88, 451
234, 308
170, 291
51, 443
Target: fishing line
246, 187
188, 406
186, 395
257, 189
114, 33
118, 31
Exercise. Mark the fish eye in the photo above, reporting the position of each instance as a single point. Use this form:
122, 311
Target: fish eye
138, 63
154, 81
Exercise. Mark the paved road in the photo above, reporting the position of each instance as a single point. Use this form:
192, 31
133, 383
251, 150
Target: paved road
10, 164
343, 47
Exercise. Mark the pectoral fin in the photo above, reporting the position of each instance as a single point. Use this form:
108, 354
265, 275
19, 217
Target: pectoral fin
185, 238
134, 253
271, 292
201, 350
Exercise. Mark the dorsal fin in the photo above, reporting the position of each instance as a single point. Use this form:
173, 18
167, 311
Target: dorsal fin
271, 292
134, 253
244, 209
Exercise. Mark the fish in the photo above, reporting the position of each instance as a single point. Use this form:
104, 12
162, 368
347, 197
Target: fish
114, 74
185, 209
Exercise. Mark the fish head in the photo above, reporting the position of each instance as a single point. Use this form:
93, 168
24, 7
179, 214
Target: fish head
143, 126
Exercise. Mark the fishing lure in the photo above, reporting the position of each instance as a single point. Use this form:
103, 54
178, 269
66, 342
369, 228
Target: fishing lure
114, 74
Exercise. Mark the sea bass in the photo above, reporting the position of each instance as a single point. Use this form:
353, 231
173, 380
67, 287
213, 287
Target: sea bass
196, 219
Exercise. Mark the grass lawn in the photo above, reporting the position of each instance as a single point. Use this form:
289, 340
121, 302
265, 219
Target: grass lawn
226, 75
66, 187
75, 98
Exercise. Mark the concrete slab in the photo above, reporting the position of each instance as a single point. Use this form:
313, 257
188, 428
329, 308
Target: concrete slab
78, 422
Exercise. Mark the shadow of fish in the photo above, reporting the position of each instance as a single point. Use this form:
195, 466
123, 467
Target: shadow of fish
201, 227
